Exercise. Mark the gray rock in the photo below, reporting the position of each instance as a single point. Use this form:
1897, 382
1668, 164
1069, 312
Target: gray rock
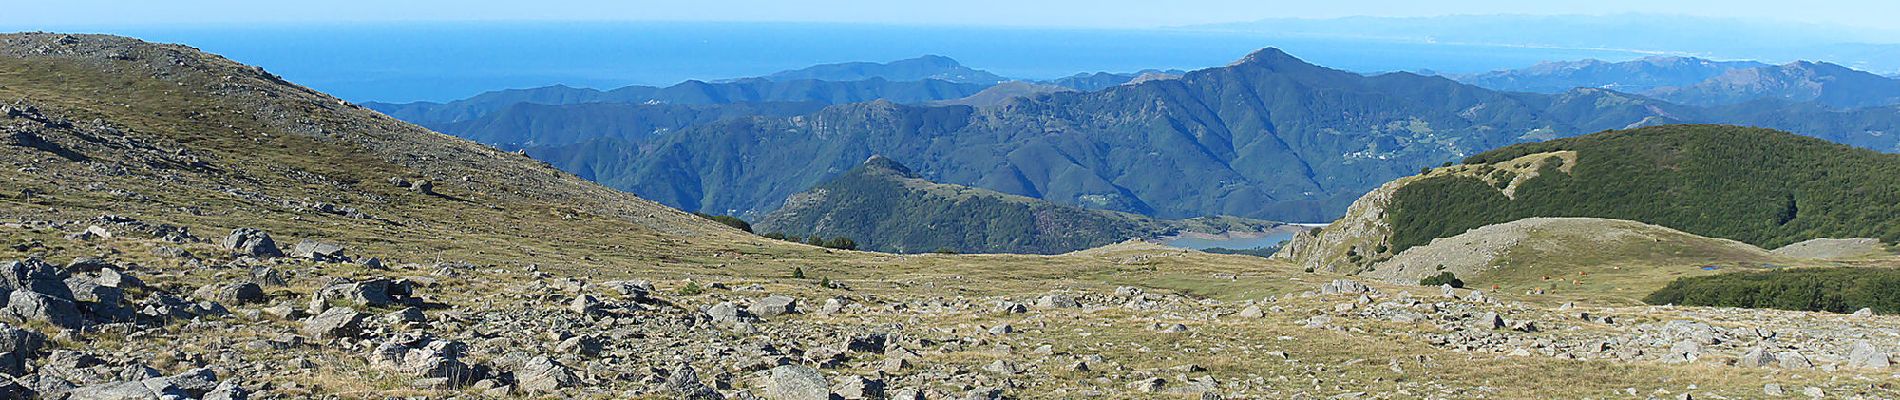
774, 305
1794, 360
110, 277
541, 374
853, 387
17, 346
320, 251
334, 323
1058, 301
585, 304
231, 293
1756, 358
251, 242
1864, 312
1773, 390
426, 358
796, 382
727, 313
1252, 311
1344, 286
1864, 355
683, 383
1489, 321
32, 306
1683, 351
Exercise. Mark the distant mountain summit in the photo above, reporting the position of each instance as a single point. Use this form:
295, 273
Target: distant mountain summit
928, 67
884, 206
1823, 83
1628, 76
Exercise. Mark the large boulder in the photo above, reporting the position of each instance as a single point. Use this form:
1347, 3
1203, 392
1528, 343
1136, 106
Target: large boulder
32, 306
375, 292
251, 242
334, 323
684, 384
320, 251
541, 374
426, 358
796, 382
34, 275
17, 346
774, 305
1863, 354
231, 293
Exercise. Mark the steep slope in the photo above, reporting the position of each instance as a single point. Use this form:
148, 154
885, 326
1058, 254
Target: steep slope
1819, 82
1267, 137
181, 130
884, 206
928, 67
1628, 76
1758, 186
751, 90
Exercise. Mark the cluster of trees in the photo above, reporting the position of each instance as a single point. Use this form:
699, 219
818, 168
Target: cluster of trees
1443, 278
1256, 252
1839, 290
1763, 187
838, 242
729, 220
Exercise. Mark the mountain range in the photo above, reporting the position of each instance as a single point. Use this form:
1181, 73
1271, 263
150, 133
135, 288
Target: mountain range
1269, 137
1635, 76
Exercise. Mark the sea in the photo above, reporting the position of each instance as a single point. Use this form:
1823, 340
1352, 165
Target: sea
444, 61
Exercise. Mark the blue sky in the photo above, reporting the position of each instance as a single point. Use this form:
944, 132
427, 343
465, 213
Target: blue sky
1045, 13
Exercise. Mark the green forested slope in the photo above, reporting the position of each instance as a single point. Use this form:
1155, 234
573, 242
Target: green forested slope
1764, 187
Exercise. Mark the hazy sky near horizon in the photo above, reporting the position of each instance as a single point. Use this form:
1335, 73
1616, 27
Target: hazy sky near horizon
1043, 13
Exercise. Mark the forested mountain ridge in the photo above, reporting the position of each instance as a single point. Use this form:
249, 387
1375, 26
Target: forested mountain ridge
883, 206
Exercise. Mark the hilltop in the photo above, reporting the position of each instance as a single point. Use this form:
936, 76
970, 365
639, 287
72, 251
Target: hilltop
885, 206
1763, 187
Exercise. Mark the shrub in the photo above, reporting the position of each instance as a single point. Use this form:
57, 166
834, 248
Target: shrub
1443, 278
691, 289
798, 272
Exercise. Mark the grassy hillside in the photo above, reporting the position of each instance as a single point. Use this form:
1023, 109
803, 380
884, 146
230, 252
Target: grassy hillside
1763, 187
884, 206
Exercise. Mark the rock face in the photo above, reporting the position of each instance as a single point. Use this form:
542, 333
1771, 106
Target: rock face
251, 242
795, 382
